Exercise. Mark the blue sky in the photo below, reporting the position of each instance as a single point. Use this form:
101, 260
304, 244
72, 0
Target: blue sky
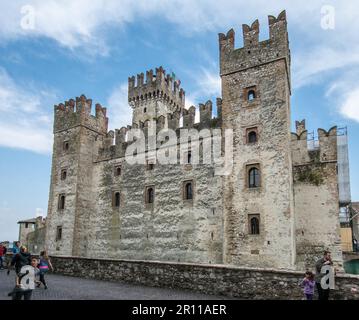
91, 47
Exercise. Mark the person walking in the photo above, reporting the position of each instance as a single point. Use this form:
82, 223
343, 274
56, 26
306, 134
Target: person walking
2, 255
16, 247
44, 265
323, 294
25, 281
15, 251
309, 284
21, 259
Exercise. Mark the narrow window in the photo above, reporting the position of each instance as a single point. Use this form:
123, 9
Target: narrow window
252, 137
58, 233
144, 110
254, 226
251, 95
254, 178
63, 174
62, 202
150, 165
26, 225
117, 200
117, 171
66, 146
189, 157
150, 195
188, 191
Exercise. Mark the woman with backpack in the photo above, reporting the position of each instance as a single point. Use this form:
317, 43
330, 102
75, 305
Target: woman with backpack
44, 265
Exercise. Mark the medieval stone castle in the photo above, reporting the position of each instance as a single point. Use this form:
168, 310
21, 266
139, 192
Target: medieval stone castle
277, 208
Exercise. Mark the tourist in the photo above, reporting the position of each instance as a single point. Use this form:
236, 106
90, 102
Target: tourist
2, 255
25, 281
323, 294
21, 259
308, 283
355, 242
16, 247
15, 251
44, 265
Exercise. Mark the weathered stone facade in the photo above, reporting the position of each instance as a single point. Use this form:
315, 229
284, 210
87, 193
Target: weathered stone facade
295, 201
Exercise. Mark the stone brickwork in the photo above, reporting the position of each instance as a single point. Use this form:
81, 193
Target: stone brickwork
295, 201
242, 283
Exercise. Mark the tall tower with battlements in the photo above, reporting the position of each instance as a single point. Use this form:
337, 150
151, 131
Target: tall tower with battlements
77, 137
258, 195
160, 99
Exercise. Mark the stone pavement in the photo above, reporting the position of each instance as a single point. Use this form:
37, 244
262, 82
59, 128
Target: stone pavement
69, 288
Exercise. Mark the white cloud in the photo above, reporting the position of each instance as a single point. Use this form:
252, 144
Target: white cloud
25, 123
349, 107
120, 113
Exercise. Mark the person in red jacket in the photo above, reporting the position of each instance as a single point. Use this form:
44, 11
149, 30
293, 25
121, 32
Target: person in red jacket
2, 255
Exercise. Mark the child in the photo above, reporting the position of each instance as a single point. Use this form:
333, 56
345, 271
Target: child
309, 284
25, 281
44, 265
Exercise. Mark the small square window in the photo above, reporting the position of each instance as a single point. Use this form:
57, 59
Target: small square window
250, 94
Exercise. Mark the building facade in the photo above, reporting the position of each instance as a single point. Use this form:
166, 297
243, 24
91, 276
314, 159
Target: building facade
277, 206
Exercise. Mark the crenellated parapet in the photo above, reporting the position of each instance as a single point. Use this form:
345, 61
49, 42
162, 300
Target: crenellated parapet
115, 143
156, 86
313, 151
254, 52
77, 112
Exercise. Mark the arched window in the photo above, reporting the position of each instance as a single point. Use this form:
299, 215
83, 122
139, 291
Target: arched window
251, 95
144, 110
254, 225
252, 137
117, 199
63, 174
117, 171
189, 157
254, 178
188, 191
66, 146
62, 202
150, 195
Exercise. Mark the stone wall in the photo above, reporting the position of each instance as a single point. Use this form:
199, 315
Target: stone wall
243, 283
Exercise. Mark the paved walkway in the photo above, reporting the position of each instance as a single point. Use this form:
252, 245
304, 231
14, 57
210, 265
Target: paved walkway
69, 288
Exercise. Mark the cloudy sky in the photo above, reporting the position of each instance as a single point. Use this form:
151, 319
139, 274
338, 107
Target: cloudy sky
51, 51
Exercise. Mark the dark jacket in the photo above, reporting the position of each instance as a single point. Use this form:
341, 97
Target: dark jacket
21, 259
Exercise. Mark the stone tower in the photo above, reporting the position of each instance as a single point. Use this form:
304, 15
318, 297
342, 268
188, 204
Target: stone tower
256, 90
77, 137
158, 99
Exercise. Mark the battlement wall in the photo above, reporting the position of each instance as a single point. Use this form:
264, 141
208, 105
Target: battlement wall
115, 142
74, 113
254, 52
305, 151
